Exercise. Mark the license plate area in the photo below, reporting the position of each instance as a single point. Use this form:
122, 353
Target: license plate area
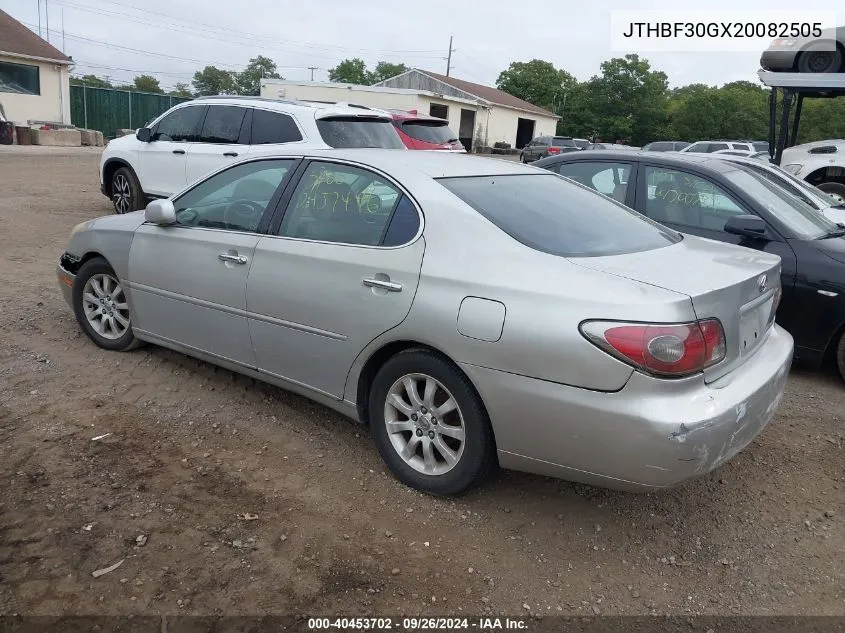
754, 321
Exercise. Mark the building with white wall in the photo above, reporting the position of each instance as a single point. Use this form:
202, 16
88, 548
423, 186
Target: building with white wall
480, 115
34, 76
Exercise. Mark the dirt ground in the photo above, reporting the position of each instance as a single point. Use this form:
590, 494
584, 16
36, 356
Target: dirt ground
221, 495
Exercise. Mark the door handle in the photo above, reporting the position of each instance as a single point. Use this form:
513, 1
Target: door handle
178, 151
384, 284
235, 259
230, 153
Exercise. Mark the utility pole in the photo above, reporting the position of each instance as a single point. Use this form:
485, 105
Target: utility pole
449, 57
47, 15
312, 69
63, 29
39, 18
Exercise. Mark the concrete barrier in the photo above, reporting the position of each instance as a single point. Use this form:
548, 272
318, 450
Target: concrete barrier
100, 141
60, 138
23, 134
88, 137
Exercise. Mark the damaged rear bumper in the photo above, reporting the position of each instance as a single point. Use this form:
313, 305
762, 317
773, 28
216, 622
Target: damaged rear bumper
651, 434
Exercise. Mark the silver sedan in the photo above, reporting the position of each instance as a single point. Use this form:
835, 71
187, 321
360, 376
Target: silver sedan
471, 311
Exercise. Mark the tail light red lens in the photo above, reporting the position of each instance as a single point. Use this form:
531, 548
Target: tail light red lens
672, 350
554, 150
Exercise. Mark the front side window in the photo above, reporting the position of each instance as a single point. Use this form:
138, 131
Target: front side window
273, 127
20, 78
222, 124
678, 197
611, 179
554, 215
345, 204
180, 125
715, 147
234, 199
352, 132
698, 147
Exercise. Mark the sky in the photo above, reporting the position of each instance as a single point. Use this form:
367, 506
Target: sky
171, 39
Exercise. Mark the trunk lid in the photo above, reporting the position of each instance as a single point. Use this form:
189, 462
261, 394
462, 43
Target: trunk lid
733, 284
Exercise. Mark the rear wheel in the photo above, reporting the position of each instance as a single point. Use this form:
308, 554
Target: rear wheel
840, 356
100, 305
835, 189
126, 194
430, 424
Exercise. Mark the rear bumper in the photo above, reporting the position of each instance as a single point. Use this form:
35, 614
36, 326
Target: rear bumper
778, 60
651, 434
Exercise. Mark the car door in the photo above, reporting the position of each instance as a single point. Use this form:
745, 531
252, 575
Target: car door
188, 280
341, 268
611, 178
691, 203
163, 160
222, 139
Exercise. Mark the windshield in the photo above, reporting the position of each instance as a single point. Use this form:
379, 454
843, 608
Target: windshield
799, 218
429, 131
801, 188
353, 132
555, 215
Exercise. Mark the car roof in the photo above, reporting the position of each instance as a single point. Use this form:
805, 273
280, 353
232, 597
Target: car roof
292, 105
708, 161
431, 163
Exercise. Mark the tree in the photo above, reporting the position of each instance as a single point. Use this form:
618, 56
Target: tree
351, 71
181, 90
213, 81
537, 82
248, 82
92, 81
146, 83
386, 70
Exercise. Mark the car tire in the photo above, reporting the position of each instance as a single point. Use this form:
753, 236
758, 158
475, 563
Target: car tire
834, 188
818, 61
840, 356
444, 456
126, 192
100, 306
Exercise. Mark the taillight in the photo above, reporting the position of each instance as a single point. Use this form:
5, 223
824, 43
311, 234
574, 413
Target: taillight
554, 150
671, 350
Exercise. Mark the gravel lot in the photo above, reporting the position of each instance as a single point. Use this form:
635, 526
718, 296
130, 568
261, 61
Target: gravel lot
226, 496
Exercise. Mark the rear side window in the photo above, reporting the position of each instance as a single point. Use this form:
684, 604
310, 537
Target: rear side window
553, 215
351, 132
429, 131
273, 127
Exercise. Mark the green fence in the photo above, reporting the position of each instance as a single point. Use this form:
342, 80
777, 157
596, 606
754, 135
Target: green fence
108, 110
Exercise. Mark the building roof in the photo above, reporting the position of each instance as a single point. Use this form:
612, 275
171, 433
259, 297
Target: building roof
493, 95
16, 39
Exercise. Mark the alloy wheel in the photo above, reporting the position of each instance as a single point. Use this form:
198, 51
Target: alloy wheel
121, 193
105, 307
424, 424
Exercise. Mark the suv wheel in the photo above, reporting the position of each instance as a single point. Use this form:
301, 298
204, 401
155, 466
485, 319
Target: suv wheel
835, 189
126, 191
430, 424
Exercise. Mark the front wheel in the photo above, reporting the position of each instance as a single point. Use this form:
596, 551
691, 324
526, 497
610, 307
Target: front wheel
126, 191
840, 356
429, 423
835, 189
100, 305
820, 61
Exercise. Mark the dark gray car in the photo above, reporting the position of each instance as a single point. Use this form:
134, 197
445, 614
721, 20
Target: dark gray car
807, 52
543, 146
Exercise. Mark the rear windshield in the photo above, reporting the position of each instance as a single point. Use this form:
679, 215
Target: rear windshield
581, 143
351, 132
659, 147
554, 215
429, 131
563, 142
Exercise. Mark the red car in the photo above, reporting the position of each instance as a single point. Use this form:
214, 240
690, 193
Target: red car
420, 131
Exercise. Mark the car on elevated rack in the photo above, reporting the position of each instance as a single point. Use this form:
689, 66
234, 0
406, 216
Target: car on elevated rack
197, 137
468, 309
423, 132
714, 197
821, 52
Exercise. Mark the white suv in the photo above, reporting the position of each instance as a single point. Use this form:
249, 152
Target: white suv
708, 147
197, 137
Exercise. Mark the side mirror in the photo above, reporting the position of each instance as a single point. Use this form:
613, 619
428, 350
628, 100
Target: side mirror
144, 134
161, 212
747, 226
